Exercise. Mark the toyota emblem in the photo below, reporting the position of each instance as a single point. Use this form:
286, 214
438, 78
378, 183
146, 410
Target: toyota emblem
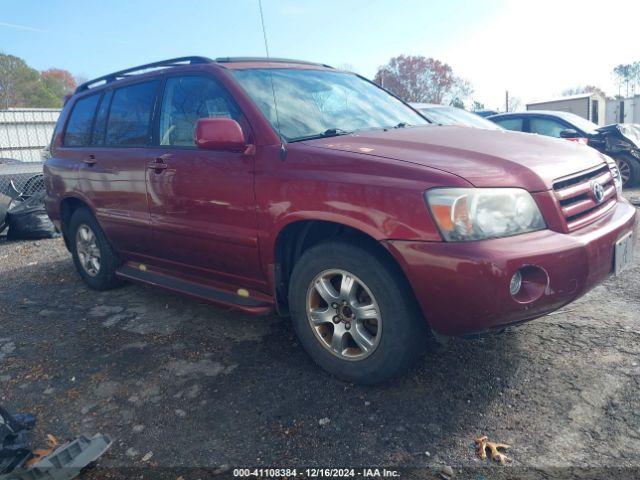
598, 191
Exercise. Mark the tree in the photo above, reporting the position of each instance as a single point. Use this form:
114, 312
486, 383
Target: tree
477, 106
624, 75
23, 86
586, 89
421, 79
59, 81
514, 104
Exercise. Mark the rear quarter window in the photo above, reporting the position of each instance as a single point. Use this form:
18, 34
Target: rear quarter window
129, 122
78, 132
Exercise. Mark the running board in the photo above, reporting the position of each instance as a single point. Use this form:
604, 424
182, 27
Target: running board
145, 275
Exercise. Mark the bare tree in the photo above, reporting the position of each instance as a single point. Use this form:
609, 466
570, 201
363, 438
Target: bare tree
420, 79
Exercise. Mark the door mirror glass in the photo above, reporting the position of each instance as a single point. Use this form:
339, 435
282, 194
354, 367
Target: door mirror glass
219, 134
569, 133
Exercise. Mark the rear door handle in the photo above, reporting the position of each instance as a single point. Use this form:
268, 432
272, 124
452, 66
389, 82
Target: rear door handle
90, 160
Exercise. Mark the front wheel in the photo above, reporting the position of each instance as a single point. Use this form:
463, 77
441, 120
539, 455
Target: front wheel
354, 313
629, 168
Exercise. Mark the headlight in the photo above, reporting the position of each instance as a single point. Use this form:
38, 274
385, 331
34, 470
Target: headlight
465, 214
615, 171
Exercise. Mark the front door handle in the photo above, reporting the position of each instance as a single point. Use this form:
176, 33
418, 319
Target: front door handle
158, 165
90, 160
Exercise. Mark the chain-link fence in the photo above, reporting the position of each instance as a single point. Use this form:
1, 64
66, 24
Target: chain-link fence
25, 132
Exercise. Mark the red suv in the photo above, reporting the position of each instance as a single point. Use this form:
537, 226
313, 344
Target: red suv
279, 185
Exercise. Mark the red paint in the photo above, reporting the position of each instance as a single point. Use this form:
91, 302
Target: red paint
219, 134
213, 216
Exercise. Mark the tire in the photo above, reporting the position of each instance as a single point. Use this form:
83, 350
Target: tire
394, 343
104, 276
630, 164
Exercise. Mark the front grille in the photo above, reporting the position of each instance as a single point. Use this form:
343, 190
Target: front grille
577, 199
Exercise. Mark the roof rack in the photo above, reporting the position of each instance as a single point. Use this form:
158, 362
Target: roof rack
267, 59
172, 62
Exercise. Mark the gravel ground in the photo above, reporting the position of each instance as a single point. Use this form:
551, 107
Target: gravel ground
195, 385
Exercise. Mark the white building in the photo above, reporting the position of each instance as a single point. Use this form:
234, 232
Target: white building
623, 110
591, 106
24, 132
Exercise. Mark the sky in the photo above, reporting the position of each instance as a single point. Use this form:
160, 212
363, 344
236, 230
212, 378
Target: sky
535, 49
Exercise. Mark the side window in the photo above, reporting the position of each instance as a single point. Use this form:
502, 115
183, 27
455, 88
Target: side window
546, 126
510, 123
78, 131
97, 138
129, 118
187, 99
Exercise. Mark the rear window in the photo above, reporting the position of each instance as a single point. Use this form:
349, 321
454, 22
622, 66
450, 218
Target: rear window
130, 115
78, 131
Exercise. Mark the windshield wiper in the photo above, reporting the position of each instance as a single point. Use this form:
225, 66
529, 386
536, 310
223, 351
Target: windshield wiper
330, 132
402, 125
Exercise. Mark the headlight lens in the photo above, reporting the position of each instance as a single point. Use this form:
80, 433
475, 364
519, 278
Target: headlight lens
615, 171
465, 214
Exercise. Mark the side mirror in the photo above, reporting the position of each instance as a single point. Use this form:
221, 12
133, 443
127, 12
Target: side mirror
569, 133
220, 134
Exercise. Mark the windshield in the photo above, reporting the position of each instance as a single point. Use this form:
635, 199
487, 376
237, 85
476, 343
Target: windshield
579, 122
456, 116
317, 103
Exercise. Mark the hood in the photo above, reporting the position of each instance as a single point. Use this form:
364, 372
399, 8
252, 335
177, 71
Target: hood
485, 158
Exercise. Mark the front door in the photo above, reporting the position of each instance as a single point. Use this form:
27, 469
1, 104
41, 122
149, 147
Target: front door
201, 202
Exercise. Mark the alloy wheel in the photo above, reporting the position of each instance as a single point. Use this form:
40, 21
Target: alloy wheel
88, 250
344, 314
624, 169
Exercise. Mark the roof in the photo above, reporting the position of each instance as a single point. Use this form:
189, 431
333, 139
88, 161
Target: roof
568, 97
232, 62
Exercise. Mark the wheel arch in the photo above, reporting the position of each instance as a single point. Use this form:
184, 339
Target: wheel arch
68, 205
298, 236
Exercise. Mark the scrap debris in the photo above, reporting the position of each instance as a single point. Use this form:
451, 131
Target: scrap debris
483, 443
61, 460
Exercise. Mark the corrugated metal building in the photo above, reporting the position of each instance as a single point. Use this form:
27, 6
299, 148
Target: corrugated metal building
587, 105
24, 132
624, 110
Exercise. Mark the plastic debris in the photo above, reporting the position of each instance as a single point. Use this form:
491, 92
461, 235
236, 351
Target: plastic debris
28, 219
483, 444
59, 461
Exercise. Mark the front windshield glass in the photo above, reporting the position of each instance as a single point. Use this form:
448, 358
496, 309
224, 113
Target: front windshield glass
579, 122
316, 103
457, 116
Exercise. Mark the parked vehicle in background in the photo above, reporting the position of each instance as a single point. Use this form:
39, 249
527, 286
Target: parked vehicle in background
447, 115
619, 141
486, 113
280, 185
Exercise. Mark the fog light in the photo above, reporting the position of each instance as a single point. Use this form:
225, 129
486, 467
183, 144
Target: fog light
516, 283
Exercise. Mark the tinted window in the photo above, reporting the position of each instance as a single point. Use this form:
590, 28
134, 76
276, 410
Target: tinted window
186, 99
101, 119
130, 115
510, 123
546, 126
79, 126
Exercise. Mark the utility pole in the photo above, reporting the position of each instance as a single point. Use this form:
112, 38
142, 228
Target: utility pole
506, 100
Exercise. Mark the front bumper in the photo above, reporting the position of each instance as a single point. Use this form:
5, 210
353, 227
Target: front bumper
463, 288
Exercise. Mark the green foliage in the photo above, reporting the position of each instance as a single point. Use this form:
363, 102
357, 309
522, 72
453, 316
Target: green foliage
23, 86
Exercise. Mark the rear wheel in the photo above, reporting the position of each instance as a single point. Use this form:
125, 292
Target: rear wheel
629, 167
354, 313
95, 259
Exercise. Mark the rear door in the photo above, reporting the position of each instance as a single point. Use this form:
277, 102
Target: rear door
112, 174
202, 202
